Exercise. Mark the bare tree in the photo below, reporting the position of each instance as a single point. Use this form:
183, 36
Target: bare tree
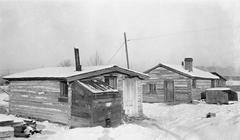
65, 63
95, 60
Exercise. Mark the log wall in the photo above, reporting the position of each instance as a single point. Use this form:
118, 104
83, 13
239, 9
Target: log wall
182, 86
201, 86
38, 99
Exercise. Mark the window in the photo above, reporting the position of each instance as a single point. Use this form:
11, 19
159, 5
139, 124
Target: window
212, 83
152, 88
111, 81
63, 92
194, 84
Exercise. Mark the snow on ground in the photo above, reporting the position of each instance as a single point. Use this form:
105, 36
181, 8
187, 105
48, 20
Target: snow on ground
166, 122
188, 121
170, 122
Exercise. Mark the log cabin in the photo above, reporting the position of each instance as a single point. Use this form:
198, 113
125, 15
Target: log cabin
76, 96
176, 83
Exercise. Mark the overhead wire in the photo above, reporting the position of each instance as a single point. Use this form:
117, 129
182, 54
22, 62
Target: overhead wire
182, 32
116, 52
169, 34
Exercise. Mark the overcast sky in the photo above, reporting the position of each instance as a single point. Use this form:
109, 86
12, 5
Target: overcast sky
43, 33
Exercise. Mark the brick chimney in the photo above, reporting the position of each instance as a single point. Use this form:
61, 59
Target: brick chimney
77, 60
188, 64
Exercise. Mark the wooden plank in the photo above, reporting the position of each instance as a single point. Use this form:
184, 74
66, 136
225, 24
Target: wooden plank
6, 132
40, 105
79, 122
6, 123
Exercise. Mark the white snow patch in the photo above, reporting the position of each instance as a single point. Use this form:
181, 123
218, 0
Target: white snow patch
123, 132
64, 72
188, 121
195, 73
4, 97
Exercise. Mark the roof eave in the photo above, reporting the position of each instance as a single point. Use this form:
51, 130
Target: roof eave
179, 72
36, 78
113, 69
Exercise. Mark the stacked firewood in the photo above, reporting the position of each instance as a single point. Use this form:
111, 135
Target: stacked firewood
26, 129
20, 129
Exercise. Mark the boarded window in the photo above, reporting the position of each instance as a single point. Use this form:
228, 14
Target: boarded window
152, 88
111, 81
194, 84
63, 92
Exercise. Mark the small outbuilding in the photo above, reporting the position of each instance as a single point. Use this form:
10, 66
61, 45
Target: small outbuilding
220, 95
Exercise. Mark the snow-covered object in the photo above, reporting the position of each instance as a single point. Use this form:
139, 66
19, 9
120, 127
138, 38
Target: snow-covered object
195, 73
219, 88
66, 72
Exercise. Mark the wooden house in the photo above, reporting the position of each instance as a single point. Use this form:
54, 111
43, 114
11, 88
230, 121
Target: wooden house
220, 96
221, 82
81, 96
233, 82
176, 83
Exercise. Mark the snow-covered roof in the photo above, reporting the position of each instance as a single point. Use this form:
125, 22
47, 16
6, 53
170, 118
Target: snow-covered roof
70, 72
195, 73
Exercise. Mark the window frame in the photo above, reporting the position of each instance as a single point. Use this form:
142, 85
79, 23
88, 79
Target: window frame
194, 83
152, 88
63, 97
111, 81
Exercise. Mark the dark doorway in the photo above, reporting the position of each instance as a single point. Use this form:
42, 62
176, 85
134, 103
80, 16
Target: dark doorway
169, 91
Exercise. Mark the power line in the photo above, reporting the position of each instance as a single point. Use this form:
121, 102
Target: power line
181, 32
115, 53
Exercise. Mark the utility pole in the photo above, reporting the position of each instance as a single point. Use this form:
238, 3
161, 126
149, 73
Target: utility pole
126, 49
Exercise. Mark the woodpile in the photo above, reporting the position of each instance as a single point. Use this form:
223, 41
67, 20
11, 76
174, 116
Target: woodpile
18, 129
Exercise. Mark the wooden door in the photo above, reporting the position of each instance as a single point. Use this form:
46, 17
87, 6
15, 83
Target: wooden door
169, 91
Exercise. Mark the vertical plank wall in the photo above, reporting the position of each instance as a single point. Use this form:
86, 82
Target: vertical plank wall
38, 99
131, 90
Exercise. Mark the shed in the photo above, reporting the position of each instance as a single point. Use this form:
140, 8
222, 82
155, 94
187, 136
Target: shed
176, 83
95, 103
220, 95
74, 97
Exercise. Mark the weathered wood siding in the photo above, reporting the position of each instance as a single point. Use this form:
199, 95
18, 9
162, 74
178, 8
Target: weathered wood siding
214, 97
132, 94
81, 106
38, 99
201, 86
132, 97
89, 109
182, 86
